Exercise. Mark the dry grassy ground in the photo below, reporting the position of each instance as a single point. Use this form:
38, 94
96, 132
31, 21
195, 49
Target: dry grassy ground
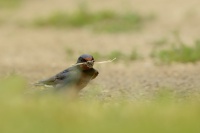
37, 53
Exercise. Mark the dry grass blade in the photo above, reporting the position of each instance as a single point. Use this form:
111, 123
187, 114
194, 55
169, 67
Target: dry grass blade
101, 62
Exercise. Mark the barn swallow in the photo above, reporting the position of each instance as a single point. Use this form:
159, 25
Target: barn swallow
76, 76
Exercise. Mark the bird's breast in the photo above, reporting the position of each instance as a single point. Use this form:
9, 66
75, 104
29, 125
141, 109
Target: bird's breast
84, 79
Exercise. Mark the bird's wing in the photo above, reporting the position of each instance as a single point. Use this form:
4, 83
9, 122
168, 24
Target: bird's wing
63, 78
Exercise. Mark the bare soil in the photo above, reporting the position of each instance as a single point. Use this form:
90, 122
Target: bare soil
39, 53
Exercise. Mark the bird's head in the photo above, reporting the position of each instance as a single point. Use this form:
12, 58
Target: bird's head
88, 61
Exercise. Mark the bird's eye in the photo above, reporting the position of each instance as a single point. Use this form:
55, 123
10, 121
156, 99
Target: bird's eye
83, 60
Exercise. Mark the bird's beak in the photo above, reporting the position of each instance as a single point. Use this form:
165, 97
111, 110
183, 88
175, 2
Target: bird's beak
90, 63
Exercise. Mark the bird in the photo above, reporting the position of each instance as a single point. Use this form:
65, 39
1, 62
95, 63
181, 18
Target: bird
75, 77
